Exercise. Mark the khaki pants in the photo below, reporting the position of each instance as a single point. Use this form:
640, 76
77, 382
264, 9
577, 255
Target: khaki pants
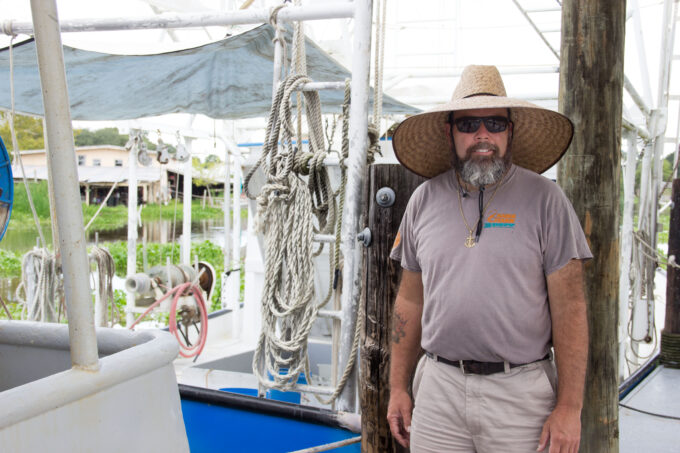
502, 412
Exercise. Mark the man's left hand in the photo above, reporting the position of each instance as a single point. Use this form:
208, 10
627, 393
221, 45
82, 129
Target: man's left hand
563, 430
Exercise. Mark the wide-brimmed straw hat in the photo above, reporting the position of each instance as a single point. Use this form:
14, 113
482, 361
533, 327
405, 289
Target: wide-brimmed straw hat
539, 139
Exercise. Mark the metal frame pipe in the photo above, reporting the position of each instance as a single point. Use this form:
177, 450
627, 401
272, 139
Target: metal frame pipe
626, 245
337, 10
186, 205
227, 225
131, 232
62, 162
236, 200
356, 167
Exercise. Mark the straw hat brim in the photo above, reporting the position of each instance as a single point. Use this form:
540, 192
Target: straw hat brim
540, 136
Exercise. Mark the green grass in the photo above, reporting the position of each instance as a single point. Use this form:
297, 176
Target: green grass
110, 217
21, 210
10, 264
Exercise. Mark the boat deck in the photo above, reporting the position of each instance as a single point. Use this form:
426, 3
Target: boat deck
649, 416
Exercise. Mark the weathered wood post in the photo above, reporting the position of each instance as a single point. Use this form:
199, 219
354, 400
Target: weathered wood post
591, 90
670, 335
381, 282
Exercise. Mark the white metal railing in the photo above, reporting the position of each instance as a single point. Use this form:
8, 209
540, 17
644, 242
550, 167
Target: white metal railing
337, 10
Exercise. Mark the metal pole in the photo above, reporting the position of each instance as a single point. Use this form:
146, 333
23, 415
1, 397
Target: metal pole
75, 265
50, 187
236, 237
227, 226
642, 53
186, 220
670, 335
132, 231
278, 65
336, 10
626, 248
356, 167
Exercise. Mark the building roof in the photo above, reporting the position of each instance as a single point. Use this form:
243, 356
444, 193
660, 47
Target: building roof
80, 148
94, 175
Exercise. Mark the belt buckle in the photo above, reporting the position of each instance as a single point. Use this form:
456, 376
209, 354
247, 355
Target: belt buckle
461, 363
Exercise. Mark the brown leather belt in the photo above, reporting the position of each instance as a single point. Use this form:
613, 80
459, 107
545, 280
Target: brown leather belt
483, 368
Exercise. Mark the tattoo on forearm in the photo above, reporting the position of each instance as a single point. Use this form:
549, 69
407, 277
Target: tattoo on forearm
398, 328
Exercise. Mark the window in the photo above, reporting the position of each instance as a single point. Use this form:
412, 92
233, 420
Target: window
119, 163
81, 160
97, 162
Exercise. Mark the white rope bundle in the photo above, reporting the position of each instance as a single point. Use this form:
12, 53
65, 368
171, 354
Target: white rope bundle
284, 207
287, 210
102, 259
42, 286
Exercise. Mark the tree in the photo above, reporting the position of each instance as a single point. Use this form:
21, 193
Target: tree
106, 136
29, 131
213, 159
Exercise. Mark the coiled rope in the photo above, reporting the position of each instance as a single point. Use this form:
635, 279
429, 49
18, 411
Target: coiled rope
42, 286
186, 349
284, 207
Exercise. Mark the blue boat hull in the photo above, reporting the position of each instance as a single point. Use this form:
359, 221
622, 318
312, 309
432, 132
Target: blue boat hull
222, 422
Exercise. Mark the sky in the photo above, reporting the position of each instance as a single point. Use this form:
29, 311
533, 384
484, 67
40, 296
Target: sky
426, 44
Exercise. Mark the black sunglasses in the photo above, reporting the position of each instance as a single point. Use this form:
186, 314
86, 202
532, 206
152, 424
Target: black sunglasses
470, 124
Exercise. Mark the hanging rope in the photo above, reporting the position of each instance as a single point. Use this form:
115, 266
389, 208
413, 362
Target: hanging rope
288, 309
379, 63
42, 286
102, 259
278, 35
284, 206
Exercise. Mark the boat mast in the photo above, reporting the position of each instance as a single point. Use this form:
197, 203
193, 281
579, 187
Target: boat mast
591, 87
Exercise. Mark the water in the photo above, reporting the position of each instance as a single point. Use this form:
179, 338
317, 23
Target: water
21, 238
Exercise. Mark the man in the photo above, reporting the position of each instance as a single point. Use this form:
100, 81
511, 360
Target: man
492, 256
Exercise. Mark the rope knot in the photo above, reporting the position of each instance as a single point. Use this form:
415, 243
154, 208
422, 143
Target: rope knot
301, 165
373, 143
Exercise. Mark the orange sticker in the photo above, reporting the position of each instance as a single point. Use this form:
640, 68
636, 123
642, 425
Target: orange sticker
397, 240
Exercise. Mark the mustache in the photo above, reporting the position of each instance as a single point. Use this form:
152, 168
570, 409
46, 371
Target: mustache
482, 146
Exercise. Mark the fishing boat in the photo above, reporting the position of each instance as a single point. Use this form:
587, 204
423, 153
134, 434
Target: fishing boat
244, 379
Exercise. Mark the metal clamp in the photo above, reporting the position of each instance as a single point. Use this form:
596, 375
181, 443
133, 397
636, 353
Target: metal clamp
385, 197
365, 237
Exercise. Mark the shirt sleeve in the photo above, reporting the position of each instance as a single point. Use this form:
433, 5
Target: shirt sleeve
404, 248
564, 238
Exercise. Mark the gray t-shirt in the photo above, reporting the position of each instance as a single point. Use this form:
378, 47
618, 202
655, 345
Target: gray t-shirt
488, 302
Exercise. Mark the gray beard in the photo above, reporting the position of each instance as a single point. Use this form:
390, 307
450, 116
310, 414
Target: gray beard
483, 173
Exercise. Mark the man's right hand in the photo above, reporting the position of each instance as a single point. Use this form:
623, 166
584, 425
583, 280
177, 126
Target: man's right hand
399, 416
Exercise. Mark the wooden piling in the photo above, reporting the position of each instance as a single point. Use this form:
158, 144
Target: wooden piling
381, 282
670, 335
591, 90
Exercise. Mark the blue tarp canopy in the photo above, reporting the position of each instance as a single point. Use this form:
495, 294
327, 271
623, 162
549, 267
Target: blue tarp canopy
227, 79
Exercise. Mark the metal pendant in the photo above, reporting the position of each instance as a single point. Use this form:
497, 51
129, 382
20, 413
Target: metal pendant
470, 241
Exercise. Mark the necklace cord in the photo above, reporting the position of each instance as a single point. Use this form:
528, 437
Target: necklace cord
482, 208
480, 222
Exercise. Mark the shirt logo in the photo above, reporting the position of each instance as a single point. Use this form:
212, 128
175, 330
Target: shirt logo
397, 240
499, 220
